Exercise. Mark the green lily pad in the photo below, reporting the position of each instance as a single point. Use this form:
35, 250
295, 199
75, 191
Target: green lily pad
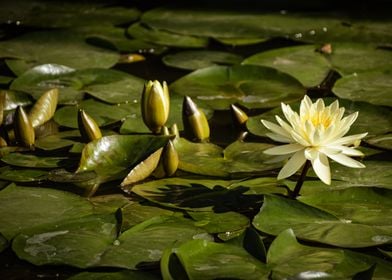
209, 159
373, 87
59, 140
288, 258
192, 60
353, 58
309, 223
3, 243
109, 203
78, 242
22, 175
119, 275
102, 113
108, 85
5, 79
220, 222
374, 120
56, 47
60, 14
307, 27
250, 85
136, 213
145, 242
44, 206
164, 38
202, 259
240, 41
112, 156
216, 195
302, 62
381, 141
376, 173
366, 205
25, 160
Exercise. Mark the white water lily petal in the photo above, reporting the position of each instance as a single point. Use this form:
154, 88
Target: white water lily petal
348, 151
346, 161
321, 167
284, 149
348, 140
292, 165
279, 138
275, 128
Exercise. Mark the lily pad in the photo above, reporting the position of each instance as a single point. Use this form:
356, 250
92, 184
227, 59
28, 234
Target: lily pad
13, 99
288, 258
373, 87
250, 85
78, 242
353, 58
102, 113
26, 160
22, 175
57, 141
381, 141
56, 47
119, 275
309, 223
239, 23
164, 38
202, 259
145, 242
193, 194
60, 14
108, 85
302, 62
44, 206
111, 156
374, 120
192, 60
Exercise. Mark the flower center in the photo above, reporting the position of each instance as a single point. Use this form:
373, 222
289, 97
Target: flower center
318, 119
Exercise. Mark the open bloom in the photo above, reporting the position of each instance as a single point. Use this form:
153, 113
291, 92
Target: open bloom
316, 134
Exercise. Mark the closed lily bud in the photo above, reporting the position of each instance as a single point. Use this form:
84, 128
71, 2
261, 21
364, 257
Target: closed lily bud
195, 121
23, 128
240, 117
155, 105
169, 159
89, 129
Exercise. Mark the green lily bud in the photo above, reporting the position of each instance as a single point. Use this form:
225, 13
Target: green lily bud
23, 128
165, 131
45, 107
88, 128
195, 121
155, 105
239, 117
174, 130
169, 159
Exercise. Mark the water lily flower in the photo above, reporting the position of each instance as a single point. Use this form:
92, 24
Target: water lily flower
315, 134
155, 105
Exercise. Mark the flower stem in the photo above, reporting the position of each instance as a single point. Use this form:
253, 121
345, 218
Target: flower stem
300, 181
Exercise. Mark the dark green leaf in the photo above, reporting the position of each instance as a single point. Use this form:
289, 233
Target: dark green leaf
25, 160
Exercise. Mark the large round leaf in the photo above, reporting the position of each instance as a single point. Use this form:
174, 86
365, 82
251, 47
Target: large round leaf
26, 160
249, 85
308, 27
118, 275
102, 113
108, 85
353, 58
60, 14
22, 175
56, 47
59, 140
164, 38
111, 156
288, 258
78, 242
209, 260
373, 87
309, 223
23, 208
145, 242
192, 60
302, 62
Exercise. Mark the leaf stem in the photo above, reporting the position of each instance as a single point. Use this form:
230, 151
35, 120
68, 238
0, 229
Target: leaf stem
300, 181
